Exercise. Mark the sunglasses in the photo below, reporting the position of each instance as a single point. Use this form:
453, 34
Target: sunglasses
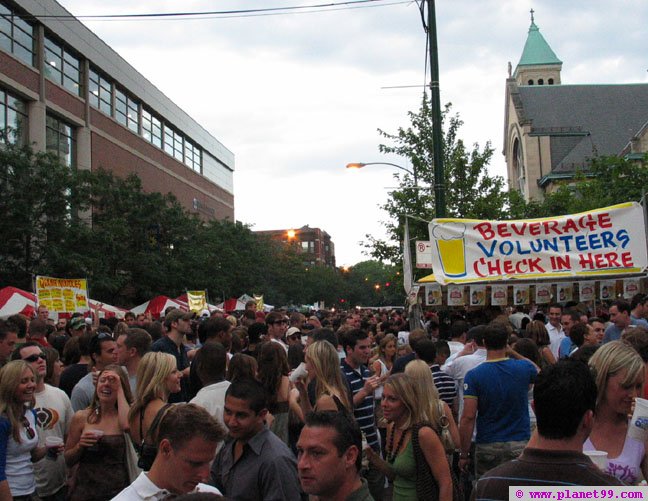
32, 358
279, 322
28, 429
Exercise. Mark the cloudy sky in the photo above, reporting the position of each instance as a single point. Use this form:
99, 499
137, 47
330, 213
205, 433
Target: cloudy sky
298, 96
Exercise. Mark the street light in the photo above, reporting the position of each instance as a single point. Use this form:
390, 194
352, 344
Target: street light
360, 165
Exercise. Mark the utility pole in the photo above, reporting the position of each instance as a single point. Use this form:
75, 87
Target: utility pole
437, 133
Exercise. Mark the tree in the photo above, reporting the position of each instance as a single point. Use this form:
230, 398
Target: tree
470, 191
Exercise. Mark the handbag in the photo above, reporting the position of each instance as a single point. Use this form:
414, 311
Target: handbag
426, 485
148, 447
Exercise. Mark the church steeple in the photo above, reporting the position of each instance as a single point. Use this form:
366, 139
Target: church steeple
538, 65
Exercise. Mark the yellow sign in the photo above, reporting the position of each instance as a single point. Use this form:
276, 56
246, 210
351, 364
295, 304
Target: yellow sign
62, 295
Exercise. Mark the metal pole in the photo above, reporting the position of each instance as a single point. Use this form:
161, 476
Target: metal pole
437, 134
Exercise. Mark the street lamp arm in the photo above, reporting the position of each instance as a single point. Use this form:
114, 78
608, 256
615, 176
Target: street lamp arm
360, 165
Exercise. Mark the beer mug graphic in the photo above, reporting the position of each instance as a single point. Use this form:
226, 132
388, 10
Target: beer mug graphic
450, 243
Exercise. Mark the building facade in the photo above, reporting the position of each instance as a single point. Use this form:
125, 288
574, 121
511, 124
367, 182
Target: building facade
552, 130
62, 89
314, 244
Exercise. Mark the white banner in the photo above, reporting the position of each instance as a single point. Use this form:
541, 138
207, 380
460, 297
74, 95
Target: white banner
520, 295
477, 295
565, 292
499, 295
433, 295
608, 241
456, 295
542, 293
586, 291
607, 290
630, 287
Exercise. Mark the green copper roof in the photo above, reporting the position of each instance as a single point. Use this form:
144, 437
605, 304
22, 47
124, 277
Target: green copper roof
536, 49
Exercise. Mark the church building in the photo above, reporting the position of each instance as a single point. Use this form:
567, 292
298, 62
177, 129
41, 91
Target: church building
553, 130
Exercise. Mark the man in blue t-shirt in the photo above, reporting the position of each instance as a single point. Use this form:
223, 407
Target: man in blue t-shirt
496, 397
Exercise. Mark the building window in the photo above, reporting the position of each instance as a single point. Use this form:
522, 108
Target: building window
518, 166
530, 82
120, 107
540, 81
62, 67
173, 143
550, 81
308, 246
151, 128
59, 139
100, 95
16, 36
127, 111
13, 118
192, 156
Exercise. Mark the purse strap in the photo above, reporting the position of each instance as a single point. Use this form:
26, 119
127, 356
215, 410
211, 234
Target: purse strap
155, 424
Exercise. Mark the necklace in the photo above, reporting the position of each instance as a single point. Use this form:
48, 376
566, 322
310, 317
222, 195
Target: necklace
391, 452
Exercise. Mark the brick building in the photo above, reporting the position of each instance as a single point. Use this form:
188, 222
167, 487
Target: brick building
314, 244
62, 89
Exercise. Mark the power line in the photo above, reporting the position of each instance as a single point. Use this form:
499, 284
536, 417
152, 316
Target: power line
223, 13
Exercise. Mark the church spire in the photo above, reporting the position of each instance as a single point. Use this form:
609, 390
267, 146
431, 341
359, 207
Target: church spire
539, 64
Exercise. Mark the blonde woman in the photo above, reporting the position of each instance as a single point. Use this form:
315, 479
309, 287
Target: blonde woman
97, 440
323, 366
438, 412
157, 377
619, 373
415, 456
18, 436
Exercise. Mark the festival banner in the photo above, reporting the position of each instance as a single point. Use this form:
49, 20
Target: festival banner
477, 295
542, 293
565, 292
456, 295
520, 294
412, 296
63, 295
602, 242
260, 303
197, 301
630, 287
587, 291
499, 295
433, 295
607, 290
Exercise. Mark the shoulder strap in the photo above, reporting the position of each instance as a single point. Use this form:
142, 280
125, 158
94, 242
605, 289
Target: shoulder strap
152, 431
338, 404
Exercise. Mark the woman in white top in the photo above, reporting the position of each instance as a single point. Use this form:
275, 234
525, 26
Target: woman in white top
18, 435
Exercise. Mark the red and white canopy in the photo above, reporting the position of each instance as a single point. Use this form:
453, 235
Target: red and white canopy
157, 305
14, 300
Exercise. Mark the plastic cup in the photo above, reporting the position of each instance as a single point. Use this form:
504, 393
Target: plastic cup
299, 373
638, 428
599, 458
98, 434
52, 444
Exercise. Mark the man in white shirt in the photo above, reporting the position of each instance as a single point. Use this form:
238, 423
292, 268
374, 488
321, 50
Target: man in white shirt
554, 328
277, 327
210, 363
131, 347
188, 437
53, 415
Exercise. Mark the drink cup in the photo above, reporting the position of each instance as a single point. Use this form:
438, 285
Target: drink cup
299, 373
638, 428
52, 444
599, 458
98, 434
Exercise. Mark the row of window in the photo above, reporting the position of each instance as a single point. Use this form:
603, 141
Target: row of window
65, 69
59, 136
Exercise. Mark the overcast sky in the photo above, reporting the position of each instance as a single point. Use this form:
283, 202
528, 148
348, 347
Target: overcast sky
298, 96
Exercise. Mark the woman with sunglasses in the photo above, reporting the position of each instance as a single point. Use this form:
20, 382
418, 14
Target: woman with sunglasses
18, 438
97, 440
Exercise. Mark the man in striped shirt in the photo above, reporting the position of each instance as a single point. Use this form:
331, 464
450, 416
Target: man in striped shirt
445, 385
357, 348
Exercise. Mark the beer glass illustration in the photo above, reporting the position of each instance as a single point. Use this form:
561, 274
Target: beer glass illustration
449, 238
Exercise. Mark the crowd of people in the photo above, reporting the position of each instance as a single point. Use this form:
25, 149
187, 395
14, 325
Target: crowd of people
331, 406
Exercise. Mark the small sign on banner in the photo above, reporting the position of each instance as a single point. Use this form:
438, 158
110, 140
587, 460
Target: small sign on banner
543, 293
565, 292
587, 291
62, 295
520, 294
630, 287
424, 254
412, 297
499, 295
477, 295
433, 295
456, 295
607, 290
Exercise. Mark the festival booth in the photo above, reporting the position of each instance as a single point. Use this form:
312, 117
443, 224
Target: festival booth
14, 300
595, 256
238, 304
157, 305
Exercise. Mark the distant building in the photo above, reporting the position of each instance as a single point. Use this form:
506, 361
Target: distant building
62, 89
552, 131
315, 244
